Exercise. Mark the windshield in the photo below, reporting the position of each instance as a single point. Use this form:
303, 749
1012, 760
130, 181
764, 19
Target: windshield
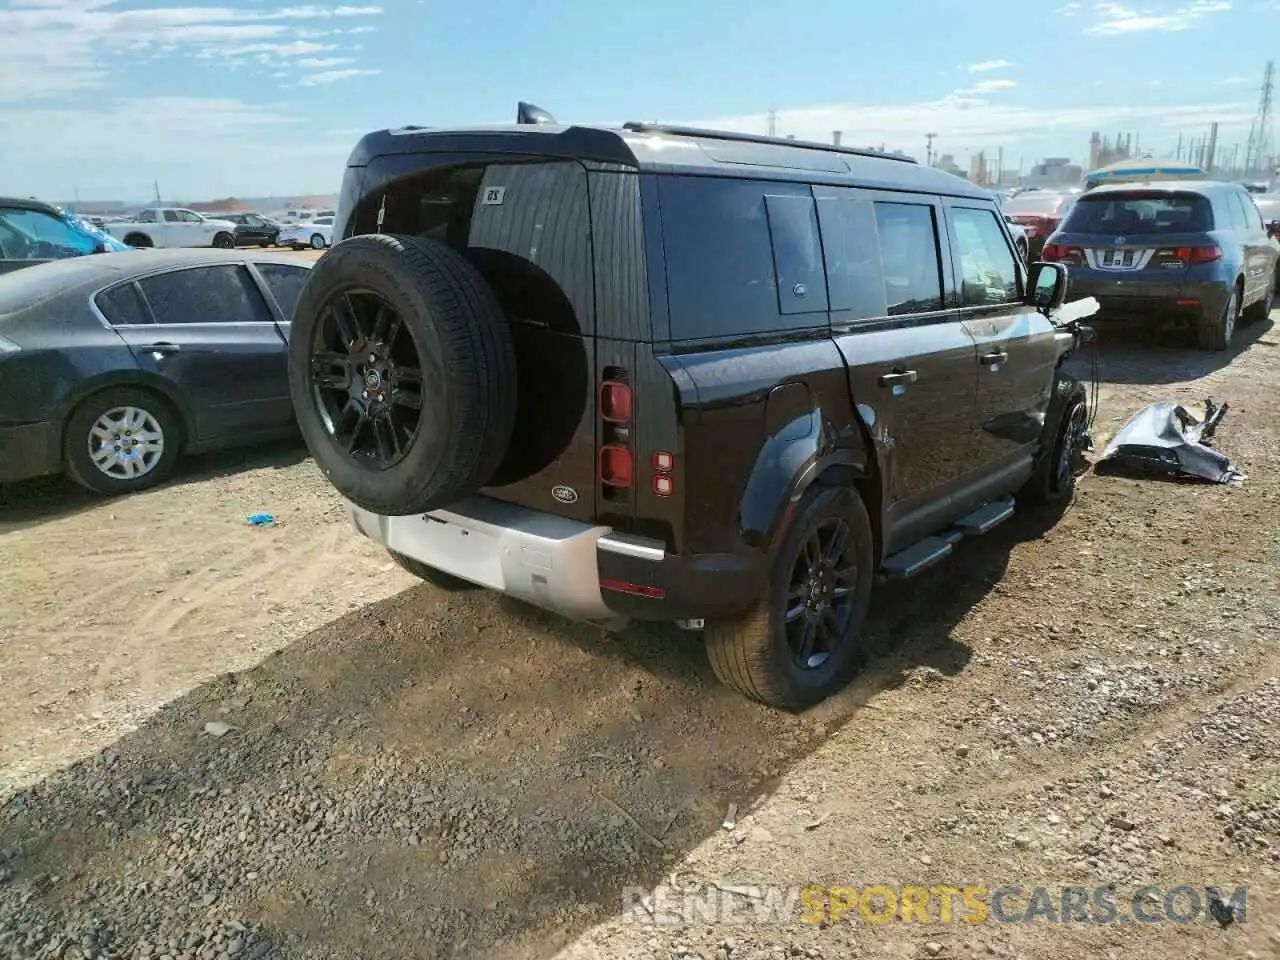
36, 235
110, 243
1142, 213
1043, 204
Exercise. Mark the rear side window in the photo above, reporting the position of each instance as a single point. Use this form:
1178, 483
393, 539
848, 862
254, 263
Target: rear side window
285, 284
988, 272
1035, 204
1129, 214
909, 252
882, 257
743, 257
525, 226
1249, 217
221, 294
123, 306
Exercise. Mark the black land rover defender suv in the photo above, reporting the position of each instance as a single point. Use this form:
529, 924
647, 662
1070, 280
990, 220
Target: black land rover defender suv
670, 374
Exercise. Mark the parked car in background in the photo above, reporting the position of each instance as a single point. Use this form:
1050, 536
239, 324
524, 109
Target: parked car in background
317, 234
792, 368
1196, 250
112, 366
173, 227
32, 232
1268, 205
1039, 212
251, 229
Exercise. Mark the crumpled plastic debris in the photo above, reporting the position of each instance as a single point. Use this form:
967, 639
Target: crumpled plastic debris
261, 519
1166, 438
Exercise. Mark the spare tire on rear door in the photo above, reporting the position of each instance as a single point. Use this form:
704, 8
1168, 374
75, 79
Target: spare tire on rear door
402, 373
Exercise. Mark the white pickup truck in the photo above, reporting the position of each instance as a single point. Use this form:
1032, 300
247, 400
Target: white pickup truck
173, 227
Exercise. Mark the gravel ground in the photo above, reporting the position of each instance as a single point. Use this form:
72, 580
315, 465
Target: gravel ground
224, 741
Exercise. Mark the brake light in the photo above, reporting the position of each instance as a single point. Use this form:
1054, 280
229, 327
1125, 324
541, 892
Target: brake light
1052, 251
617, 468
1037, 226
1062, 253
1190, 256
616, 401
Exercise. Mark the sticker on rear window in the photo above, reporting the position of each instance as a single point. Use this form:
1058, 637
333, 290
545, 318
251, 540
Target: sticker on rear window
493, 196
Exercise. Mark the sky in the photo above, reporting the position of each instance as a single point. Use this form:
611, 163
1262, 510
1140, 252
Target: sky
101, 99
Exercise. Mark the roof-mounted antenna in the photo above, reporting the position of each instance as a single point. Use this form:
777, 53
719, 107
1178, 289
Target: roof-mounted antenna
529, 113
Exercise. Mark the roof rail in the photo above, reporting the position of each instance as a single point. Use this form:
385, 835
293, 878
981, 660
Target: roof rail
677, 131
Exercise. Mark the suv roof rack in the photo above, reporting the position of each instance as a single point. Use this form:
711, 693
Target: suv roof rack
678, 131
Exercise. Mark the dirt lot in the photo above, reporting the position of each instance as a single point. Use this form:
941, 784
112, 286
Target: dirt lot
405, 773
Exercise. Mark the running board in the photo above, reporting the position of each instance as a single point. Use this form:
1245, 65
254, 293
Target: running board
920, 556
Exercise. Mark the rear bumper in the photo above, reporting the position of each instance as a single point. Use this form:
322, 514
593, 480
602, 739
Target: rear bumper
578, 570
29, 450
1139, 299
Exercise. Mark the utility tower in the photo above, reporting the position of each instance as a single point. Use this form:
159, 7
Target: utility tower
773, 122
928, 148
1258, 153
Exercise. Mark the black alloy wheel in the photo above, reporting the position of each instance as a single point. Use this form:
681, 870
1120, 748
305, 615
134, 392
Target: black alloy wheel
367, 377
1070, 460
824, 582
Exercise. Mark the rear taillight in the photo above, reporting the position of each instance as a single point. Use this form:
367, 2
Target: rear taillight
1061, 253
1189, 256
617, 468
616, 401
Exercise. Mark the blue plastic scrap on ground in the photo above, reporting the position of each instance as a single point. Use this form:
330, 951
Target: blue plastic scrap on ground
261, 519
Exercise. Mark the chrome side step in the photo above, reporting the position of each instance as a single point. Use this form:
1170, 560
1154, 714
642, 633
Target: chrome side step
920, 556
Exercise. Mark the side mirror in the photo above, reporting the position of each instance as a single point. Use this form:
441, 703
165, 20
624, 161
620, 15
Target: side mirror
1046, 285
1273, 228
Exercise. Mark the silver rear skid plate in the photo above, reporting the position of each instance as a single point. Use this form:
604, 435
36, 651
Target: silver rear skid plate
924, 554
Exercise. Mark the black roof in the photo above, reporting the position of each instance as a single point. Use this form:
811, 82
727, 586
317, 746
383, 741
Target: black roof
26, 203
664, 149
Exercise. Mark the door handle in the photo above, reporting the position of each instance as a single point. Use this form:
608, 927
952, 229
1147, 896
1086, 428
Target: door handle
164, 346
998, 356
898, 376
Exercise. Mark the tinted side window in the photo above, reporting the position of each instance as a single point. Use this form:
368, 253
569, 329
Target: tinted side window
34, 235
171, 216
123, 305
1248, 215
222, 294
852, 246
988, 272
285, 284
743, 257
909, 253
526, 227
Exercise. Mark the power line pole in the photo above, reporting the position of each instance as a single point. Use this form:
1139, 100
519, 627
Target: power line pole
773, 122
1260, 147
928, 148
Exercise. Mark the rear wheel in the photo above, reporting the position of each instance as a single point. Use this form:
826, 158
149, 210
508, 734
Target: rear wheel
121, 440
317, 241
438, 578
139, 240
799, 643
1217, 335
224, 241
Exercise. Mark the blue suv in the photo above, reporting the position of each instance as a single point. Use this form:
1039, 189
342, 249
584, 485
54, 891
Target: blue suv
1197, 251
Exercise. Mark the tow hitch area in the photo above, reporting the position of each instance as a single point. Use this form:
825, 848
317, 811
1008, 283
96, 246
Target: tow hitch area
1165, 439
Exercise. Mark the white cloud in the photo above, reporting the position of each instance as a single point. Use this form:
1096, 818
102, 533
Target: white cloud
194, 148
1233, 81
1115, 19
316, 63
987, 86
988, 65
1067, 10
56, 47
335, 76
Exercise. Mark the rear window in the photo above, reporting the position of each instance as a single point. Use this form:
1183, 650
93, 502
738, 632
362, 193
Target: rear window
1130, 213
1036, 203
